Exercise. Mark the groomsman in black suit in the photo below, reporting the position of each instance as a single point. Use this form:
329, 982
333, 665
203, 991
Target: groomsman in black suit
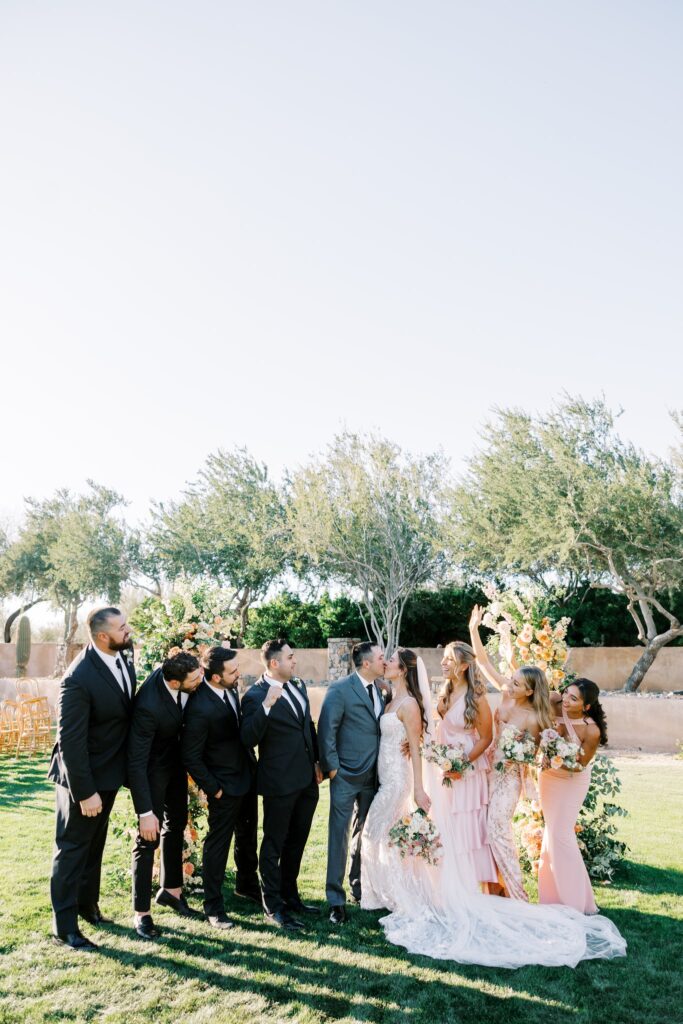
89, 765
276, 716
158, 785
223, 767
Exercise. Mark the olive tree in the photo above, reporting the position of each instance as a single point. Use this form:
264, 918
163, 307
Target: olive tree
367, 516
560, 494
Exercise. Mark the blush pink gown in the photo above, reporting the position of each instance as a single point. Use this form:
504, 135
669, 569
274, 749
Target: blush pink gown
562, 875
469, 796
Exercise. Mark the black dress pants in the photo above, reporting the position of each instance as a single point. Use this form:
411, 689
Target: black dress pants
231, 815
77, 858
169, 803
286, 826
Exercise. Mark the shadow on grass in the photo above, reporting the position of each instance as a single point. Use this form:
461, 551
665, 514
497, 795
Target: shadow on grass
22, 779
645, 878
332, 989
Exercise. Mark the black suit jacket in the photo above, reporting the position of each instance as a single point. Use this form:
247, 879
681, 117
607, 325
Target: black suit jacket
287, 746
154, 741
93, 718
213, 752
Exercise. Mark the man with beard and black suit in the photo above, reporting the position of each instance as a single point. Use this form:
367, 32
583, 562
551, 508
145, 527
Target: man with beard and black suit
89, 766
276, 717
158, 786
223, 767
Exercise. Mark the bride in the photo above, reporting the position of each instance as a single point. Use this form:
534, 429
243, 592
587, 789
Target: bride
438, 911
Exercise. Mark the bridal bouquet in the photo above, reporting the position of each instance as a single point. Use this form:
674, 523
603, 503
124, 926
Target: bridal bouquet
515, 747
416, 835
557, 752
448, 759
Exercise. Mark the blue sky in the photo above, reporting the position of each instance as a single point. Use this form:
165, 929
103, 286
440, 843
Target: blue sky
231, 223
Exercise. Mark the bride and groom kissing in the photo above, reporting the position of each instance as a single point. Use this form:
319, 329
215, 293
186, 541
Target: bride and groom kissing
349, 736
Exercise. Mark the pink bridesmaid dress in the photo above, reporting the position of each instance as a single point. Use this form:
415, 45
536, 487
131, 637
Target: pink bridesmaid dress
562, 875
469, 796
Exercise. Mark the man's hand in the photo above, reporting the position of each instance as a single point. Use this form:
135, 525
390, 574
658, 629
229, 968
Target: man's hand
273, 695
318, 773
333, 772
149, 827
92, 806
405, 748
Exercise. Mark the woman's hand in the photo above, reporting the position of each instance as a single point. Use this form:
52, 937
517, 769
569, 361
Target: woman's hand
422, 800
476, 616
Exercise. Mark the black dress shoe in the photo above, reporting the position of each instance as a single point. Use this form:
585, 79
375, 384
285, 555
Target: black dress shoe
250, 894
146, 928
177, 903
220, 921
299, 907
283, 919
338, 915
75, 940
93, 915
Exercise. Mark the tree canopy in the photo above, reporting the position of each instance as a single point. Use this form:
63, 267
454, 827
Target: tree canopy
555, 496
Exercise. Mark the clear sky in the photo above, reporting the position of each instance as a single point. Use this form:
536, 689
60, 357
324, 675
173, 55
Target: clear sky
256, 223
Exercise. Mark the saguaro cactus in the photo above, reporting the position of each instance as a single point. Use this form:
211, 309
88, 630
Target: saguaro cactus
23, 645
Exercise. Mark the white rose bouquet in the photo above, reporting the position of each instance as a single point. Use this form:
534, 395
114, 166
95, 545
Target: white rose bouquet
416, 835
449, 759
558, 752
514, 747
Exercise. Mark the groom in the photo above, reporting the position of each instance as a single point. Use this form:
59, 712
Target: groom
348, 735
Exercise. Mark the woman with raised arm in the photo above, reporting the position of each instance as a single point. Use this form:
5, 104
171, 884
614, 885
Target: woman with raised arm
523, 714
465, 720
562, 875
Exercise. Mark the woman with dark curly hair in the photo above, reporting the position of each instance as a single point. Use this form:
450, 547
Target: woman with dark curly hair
562, 875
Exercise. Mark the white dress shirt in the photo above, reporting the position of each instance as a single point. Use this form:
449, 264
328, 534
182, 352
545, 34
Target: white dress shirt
375, 695
220, 690
110, 661
285, 695
174, 695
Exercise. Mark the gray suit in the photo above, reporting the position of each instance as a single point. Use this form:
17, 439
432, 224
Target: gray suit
348, 737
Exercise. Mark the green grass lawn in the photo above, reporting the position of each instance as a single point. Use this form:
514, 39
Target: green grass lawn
256, 973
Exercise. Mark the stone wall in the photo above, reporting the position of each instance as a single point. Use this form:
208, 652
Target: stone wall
608, 666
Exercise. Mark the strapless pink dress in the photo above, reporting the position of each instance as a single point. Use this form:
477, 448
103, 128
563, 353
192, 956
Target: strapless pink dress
562, 874
469, 796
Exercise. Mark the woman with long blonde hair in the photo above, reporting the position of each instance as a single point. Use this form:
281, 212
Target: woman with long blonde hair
465, 719
526, 709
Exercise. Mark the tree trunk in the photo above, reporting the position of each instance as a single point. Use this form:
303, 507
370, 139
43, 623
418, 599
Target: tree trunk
70, 627
15, 615
646, 659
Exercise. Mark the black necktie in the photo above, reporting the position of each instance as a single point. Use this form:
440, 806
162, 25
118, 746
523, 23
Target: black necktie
179, 700
295, 701
123, 677
371, 688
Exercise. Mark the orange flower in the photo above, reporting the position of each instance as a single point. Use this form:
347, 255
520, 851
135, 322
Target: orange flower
188, 868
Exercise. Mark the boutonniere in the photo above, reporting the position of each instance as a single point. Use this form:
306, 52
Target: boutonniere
297, 682
128, 655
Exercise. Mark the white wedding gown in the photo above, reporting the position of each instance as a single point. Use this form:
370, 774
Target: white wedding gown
439, 911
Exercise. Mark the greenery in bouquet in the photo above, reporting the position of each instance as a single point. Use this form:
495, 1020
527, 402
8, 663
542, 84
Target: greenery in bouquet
191, 620
595, 829
416, 835
124, 829
523, 633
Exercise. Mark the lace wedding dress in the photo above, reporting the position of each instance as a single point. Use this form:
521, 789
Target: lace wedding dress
439, 911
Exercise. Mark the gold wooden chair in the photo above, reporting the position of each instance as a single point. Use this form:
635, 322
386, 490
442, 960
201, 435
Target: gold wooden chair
9, 727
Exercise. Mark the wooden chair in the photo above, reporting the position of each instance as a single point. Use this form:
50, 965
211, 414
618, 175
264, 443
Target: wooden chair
42, 722
26, 687
9, 727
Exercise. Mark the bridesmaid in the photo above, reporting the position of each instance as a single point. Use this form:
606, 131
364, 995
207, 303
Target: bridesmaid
562, 875
465, 719
525, 707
